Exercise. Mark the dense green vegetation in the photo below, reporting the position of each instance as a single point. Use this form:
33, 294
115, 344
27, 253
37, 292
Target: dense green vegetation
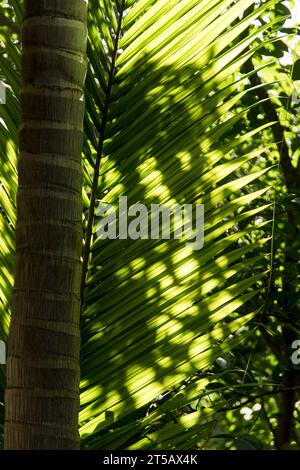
186, 101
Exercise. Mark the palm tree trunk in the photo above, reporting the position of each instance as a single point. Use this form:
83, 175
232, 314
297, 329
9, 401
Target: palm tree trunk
42, 395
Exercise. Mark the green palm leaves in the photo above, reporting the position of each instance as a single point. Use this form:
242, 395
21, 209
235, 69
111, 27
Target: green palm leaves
156, 312
163, 94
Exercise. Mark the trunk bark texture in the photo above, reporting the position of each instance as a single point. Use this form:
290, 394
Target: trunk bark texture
42, 395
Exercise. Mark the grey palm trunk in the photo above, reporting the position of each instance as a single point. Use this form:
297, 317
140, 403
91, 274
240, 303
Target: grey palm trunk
42, 395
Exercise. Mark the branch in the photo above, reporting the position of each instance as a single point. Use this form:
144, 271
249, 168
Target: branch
291, 174
257, 397
285, 426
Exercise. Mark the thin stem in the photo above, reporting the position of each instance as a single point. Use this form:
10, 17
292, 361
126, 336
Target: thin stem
91, 214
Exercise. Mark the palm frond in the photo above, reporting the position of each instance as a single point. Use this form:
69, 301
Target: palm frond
163, 91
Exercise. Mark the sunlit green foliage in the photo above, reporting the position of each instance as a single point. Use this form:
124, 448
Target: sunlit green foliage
173, 354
